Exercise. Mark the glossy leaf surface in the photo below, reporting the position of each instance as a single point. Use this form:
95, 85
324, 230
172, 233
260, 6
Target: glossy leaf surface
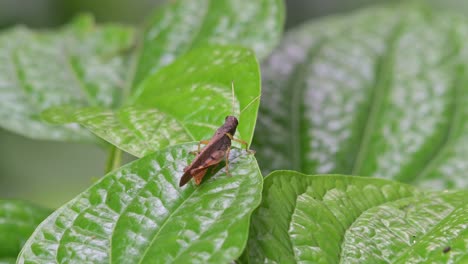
18, 220
80, 64
185, 24
139, 214
378, 93
349, 219
186, 101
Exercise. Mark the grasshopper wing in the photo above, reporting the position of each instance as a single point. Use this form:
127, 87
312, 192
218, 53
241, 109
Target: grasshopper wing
199, 172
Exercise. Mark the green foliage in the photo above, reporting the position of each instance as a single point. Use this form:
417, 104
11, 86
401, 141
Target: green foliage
18, 220
96, 66
346, 219
378, 93
139, 214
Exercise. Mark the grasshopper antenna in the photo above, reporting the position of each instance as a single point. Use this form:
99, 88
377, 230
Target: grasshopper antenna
247, 106
233, 98
251, 102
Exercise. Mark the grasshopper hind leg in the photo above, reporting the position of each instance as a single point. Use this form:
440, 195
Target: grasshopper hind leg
227, 161
196, 152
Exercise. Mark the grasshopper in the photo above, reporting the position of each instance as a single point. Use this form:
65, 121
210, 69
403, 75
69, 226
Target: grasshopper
217, 148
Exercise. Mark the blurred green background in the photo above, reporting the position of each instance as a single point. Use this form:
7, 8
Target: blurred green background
51, 173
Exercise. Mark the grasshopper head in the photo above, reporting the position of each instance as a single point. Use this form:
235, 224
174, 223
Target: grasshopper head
230, 124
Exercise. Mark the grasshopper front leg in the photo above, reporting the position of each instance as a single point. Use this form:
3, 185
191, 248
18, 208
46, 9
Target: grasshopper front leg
250, 151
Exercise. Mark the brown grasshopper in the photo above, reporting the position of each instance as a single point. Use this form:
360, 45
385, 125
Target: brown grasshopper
217, 148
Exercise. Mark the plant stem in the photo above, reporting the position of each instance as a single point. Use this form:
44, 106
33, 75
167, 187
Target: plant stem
115, 159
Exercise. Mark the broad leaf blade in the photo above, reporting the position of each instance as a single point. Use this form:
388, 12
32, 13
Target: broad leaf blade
185, 24
18, 220
79, 64
185, 101
365, 100
138, 214
346, 219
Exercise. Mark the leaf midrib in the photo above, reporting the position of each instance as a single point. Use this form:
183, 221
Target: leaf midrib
19, 81
296, 104
164, 224
120, 214
74, 73
379, 89
170, 216
179, 253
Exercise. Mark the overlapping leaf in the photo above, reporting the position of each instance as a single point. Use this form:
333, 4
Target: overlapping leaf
138, 214
378, 93
18, 220
185, 101
348, 219
185, 24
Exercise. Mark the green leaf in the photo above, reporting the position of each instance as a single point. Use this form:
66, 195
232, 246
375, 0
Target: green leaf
185, 24
18, 220
80, 64
378, 93
349, 219
185, 101
197, 90
138, 214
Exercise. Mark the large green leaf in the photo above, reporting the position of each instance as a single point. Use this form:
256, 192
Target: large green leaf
138, 214
185, 101
80, 64
378, 93
185, 24
18, 220
349, 219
